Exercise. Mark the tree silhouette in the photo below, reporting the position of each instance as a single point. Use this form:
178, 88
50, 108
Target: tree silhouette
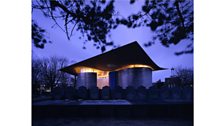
38, 35
46, 72
170, 20
36, 76
186, 75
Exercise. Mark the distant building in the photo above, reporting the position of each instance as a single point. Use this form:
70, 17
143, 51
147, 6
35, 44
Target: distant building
173, 82
125, 66
158, 84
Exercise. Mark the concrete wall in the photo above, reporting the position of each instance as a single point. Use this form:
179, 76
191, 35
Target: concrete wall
134, 77
88, 80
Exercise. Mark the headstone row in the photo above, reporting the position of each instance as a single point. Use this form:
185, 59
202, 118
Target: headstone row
130, 93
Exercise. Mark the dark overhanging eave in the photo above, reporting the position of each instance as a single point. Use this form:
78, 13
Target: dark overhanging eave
161, 69
101, 61
68, 70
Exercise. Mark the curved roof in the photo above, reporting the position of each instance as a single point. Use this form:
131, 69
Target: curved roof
109, 61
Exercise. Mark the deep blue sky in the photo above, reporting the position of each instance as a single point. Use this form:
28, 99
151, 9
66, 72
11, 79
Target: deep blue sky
72, 49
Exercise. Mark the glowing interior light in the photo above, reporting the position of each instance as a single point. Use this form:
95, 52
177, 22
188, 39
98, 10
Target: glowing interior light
103, 76
100, 73
87, 70
134, 66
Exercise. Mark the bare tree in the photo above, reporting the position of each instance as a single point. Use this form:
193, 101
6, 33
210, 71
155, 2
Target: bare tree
46, 72
36, 71
50, 71
186, 75
36, 75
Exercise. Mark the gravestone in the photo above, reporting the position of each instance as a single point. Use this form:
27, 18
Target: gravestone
75, 93
153, 93
141, 94
94, 93
166, 93
130, 93
188, 93
117, 93
105, 94
57, 93
82, 92
176, 93
69, 92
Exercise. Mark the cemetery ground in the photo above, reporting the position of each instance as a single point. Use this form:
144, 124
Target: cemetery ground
71, 113
110, 122
130, 107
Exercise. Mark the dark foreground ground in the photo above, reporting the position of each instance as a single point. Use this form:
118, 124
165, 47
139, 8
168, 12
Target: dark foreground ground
175, 114
110, 122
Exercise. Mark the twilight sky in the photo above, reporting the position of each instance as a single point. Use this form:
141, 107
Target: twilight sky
72, 49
